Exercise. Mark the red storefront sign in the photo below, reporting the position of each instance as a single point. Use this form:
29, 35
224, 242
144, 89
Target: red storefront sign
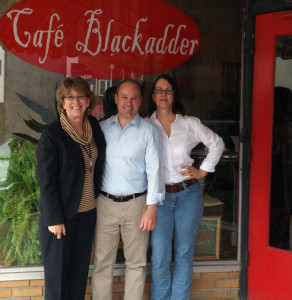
116, 38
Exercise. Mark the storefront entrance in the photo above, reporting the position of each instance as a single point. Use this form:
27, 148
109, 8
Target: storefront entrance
270, 225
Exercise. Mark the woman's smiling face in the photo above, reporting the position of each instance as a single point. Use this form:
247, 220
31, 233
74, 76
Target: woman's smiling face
75, 104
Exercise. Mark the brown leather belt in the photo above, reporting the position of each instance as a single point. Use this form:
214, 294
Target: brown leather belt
180, 186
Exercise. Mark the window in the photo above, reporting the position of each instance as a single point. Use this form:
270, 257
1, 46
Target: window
4, 162
209, 84
103, 85
2, 73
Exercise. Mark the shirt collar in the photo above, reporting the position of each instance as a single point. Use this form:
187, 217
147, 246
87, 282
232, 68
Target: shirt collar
136, 120
114, 119
154, 117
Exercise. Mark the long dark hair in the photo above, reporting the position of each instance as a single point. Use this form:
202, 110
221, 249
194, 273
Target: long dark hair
177, 107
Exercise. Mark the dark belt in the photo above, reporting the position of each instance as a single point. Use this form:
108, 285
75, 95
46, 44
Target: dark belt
180, 186
122, 198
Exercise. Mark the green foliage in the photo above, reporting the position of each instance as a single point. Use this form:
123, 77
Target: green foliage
19, 229
19, 239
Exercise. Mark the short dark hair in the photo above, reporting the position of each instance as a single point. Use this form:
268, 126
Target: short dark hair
177, 107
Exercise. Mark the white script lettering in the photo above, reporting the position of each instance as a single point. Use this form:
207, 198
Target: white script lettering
100, 36
40, 37
91, 21
94, 42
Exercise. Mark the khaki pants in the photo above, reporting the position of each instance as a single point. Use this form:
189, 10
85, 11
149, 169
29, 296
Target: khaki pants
115, 219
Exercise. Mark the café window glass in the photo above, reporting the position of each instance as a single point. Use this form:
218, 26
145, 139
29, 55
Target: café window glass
103, 85
209, 85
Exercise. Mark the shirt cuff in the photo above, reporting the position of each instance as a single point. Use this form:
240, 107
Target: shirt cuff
155, 198
210, 168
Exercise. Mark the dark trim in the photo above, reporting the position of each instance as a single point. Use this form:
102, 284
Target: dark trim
245, 138
267, 6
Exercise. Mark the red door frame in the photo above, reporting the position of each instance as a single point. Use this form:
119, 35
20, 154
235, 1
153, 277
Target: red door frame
269, 269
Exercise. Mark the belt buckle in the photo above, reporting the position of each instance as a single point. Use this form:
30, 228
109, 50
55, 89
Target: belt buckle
171, 185
120, 198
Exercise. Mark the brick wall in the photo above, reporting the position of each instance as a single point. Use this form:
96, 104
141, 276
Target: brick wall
205, 286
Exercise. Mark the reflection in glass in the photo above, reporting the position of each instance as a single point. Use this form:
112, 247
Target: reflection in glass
220, 199
2, 73
281, 188
209, 85
4, 162
19, 207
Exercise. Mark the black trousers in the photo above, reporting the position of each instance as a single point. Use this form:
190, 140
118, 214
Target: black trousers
66, 261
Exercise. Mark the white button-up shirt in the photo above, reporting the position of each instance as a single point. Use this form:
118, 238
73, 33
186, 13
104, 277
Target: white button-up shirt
186, 133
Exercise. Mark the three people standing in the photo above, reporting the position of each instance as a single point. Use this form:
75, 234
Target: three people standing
139, 159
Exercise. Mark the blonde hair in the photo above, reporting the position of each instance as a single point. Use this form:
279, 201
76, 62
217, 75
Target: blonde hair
78, 83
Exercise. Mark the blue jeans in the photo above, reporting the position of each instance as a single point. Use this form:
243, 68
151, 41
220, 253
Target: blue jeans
179, 216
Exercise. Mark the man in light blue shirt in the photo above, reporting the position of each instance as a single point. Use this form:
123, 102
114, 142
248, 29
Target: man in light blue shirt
133, 185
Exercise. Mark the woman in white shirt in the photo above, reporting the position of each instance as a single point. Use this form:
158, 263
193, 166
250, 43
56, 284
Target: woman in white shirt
180, 214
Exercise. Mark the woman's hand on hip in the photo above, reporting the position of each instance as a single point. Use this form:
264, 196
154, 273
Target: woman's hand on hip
58, 230
192, 172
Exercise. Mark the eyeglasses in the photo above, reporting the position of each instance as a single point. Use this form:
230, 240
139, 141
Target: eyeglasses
79, 97
160, 91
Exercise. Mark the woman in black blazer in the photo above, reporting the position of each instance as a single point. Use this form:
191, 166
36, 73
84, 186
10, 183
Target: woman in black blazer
70, 157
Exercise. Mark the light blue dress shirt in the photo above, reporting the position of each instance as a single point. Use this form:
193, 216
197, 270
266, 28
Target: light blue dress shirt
133, 159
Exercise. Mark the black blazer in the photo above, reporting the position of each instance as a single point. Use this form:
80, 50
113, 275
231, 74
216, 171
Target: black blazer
61, 171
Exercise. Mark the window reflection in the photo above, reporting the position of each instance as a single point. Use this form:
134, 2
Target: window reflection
4, 162
2, 73
19, 207
220, 198
209, 83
